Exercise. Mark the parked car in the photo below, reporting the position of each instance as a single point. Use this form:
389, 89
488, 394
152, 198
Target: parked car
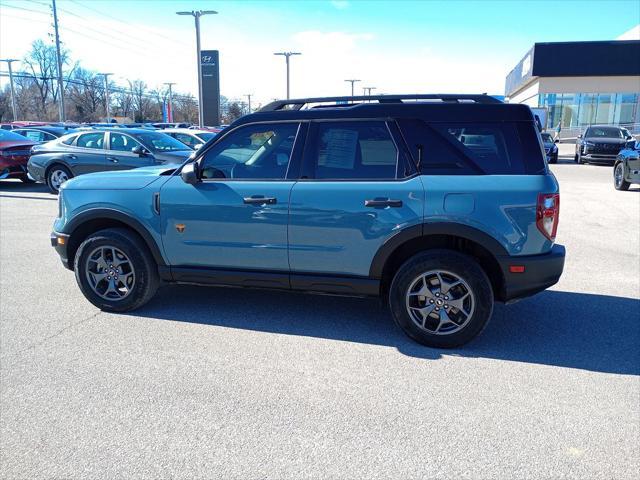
97, 150
601, 144
43, 133
209, 129
194, 139
441, 208
626, 170
550, 147
147, 126
14, 155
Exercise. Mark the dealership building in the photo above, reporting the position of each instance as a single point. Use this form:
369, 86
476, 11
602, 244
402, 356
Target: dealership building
580, 83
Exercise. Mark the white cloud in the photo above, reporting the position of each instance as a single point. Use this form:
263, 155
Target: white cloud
632, 34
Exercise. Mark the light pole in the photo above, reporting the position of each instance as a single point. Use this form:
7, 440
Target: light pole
196, 15
367, 90
59, 62
107, 108
286, 56
14, 109
248, 95
170, 112
352, 82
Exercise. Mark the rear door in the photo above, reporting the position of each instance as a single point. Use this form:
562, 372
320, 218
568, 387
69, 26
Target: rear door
89, 154
119, 155
358, 188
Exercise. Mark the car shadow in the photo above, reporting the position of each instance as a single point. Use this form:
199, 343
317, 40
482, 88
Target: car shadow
16, 189
598, 333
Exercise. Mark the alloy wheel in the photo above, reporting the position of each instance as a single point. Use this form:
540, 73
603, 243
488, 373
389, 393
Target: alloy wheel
440, 302
110, 273
57, 178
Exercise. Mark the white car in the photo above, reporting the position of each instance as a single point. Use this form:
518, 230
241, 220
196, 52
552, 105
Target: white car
194, 139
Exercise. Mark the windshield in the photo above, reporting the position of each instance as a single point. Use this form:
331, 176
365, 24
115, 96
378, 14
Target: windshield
610, 132
547, 138
205, 136
160, 142
7, 136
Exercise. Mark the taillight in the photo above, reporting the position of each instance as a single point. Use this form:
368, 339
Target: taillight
547, 214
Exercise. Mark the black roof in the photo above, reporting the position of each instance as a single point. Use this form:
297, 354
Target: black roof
440, 107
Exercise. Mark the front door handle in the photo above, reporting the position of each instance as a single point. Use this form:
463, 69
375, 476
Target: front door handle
255, 200
112, 159
383, 202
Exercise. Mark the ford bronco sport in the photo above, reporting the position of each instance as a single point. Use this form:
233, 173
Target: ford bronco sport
440, 204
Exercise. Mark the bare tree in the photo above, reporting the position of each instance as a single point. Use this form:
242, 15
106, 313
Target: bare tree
41, 63
86, 94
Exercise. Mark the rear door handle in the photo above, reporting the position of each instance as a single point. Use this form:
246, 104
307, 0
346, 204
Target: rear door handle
112, 159
383, 202
255, 200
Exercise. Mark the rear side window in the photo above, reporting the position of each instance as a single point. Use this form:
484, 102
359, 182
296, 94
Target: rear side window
355, 150
91, 140
70, 140
494, 148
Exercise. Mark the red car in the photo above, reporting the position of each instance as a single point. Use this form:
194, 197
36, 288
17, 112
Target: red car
15, 151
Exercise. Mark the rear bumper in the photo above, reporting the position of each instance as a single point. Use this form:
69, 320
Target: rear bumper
540, 272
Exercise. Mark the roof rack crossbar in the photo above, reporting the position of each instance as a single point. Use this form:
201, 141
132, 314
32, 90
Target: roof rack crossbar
298, 103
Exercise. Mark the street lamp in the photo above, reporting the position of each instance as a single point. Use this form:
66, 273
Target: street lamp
106, 95
196, 15
170, 109
367, 90
248, 95
352, 82
13, 91
286, 56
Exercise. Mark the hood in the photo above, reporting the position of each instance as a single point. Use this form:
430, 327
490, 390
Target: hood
178, 156
119, 179
606, 140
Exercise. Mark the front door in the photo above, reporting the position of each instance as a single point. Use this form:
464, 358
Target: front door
360, 189
236, 216
120, 157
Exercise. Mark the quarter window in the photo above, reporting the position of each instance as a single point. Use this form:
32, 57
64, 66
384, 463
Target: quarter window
91, 140
252, 152
355, 150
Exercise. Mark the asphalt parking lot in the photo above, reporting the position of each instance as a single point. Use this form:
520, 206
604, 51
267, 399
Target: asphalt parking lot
206, 382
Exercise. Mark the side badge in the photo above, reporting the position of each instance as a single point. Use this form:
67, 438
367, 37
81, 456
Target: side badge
180, 227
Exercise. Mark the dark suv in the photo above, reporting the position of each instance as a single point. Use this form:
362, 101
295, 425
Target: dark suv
602, 143
440, 204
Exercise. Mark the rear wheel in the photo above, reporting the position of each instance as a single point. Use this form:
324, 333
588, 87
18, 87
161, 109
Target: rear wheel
618, 177
441, 298
115, 270
56, 176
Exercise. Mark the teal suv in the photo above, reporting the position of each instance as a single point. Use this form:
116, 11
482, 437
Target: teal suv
439, 204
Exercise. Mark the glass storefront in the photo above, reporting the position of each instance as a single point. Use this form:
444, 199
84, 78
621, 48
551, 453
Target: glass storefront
576, 110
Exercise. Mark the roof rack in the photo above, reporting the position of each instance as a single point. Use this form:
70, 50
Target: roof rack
299, 103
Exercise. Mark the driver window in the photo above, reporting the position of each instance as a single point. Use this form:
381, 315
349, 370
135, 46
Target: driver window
121, 143
252, 152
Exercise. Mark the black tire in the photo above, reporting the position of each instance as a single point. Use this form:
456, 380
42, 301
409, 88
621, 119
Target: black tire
575, 158
621, 184
554, 158
580, 160
145, 269
464, 267
51, 172
25, 179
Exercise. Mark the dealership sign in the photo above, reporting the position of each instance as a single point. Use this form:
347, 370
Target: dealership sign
210, 67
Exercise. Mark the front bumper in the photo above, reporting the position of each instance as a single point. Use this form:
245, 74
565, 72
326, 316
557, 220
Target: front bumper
59, 241
36, 172
539, 273
599, 157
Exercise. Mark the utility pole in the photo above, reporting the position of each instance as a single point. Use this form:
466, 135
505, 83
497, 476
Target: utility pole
196, 15
59, 61
367, 90
286, 56
248, 95
352, 82
14, 109
170, 112
107, 107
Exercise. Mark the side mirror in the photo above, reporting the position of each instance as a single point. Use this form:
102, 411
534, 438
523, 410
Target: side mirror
557, 140
189, 173
580, 136
139, 150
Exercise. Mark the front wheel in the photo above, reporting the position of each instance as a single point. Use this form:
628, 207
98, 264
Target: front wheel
441, 298
26, 179
115, 270
618, 177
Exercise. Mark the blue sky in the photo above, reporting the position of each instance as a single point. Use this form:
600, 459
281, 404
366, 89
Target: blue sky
401, 46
